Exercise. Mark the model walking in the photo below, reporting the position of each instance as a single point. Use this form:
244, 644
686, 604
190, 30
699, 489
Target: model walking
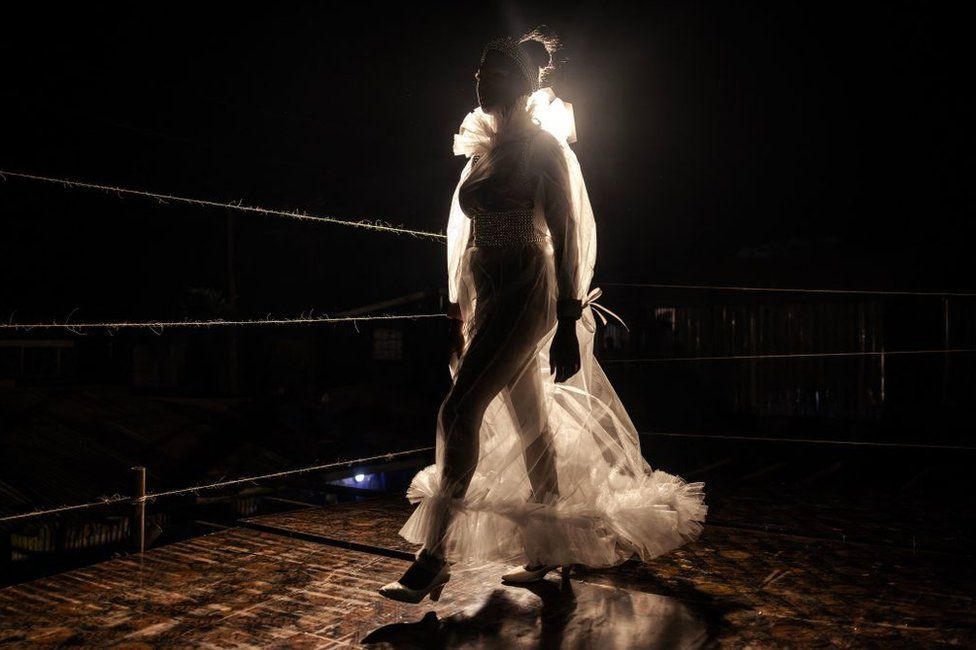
537, 462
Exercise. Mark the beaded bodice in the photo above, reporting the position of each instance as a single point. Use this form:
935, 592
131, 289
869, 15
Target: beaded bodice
506, 228
499, 200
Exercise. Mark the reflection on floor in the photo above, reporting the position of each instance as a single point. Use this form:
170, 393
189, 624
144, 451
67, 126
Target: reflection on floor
751, 586
286, 581
245, 588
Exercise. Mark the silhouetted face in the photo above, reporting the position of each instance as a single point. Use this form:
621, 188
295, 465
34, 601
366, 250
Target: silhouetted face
499, 82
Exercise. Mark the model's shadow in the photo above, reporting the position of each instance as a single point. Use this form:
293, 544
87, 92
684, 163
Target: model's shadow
570, 615
500, 618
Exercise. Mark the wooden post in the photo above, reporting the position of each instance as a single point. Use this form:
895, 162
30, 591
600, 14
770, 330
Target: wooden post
137, 523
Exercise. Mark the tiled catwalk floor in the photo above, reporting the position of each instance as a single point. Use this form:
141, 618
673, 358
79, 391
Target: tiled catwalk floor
281, 581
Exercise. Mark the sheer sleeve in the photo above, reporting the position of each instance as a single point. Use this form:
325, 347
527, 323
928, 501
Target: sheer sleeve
458, 238
548, 160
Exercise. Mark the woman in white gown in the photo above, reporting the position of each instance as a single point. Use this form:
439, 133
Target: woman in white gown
537, 462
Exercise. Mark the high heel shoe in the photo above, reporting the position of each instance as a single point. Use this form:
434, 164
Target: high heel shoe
528, 573
423, 578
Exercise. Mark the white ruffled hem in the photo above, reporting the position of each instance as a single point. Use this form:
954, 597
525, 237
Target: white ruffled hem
648, 515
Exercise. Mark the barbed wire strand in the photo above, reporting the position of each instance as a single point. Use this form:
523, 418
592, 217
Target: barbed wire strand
365, 223
158, 326
718, 287
818, 441
301, 216
736, 357
210, 486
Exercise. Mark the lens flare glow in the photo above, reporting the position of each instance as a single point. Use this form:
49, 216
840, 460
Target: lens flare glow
553, 114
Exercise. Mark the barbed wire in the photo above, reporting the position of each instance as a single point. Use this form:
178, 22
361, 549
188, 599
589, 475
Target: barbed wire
163, 198
386, 227
158, 326
718, 287
737, 357
816, 441
108, 500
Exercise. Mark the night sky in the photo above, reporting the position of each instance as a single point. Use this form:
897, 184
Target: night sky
811, 144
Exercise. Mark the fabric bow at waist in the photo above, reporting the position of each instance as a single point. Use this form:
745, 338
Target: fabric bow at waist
590, 301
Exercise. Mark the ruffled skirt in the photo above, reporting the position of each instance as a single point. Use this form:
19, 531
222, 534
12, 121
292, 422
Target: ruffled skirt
556, 471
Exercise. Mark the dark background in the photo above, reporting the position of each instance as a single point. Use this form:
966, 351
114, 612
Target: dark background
818, 145
793, 144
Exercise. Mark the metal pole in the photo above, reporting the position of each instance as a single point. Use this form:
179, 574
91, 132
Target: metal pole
137, 523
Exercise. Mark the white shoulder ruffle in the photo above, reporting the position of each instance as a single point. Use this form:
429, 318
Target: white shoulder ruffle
475, 135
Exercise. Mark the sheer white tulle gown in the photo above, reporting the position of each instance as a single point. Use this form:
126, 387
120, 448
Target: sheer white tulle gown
528, 470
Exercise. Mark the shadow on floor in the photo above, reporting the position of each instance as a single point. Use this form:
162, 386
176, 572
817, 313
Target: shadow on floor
564, 613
